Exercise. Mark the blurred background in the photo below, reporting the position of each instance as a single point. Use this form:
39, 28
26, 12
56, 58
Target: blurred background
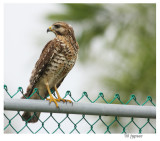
117, 48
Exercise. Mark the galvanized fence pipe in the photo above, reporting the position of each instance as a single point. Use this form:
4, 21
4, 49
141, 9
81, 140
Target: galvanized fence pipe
81, 108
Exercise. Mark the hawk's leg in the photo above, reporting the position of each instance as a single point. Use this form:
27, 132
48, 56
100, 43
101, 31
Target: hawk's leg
59, 97
51, 97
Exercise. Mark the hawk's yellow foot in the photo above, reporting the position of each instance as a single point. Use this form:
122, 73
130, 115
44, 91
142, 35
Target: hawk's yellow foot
59, 97
51, 97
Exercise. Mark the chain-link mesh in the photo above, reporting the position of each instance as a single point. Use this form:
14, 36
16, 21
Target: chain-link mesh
69, 123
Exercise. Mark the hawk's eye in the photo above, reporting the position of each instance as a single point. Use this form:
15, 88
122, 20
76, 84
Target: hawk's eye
57, 26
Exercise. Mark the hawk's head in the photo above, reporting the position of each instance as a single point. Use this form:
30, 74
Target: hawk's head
61, 28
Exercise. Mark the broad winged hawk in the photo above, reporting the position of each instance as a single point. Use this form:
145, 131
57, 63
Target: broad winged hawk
56, 60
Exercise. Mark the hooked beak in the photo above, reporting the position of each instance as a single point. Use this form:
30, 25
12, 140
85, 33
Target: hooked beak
51, 28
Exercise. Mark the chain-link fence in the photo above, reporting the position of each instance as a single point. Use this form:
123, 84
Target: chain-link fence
75, 123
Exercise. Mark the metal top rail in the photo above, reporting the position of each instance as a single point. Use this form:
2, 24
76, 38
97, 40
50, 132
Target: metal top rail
81, 108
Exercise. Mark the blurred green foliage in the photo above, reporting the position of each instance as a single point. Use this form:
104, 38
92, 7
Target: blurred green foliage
127, 32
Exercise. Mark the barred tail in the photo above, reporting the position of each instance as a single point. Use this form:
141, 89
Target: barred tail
30, 117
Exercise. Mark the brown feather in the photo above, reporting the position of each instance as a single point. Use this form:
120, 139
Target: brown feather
40, 66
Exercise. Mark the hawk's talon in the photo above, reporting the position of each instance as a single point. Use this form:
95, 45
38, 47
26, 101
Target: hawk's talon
52, 100
59, 97
64, 100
